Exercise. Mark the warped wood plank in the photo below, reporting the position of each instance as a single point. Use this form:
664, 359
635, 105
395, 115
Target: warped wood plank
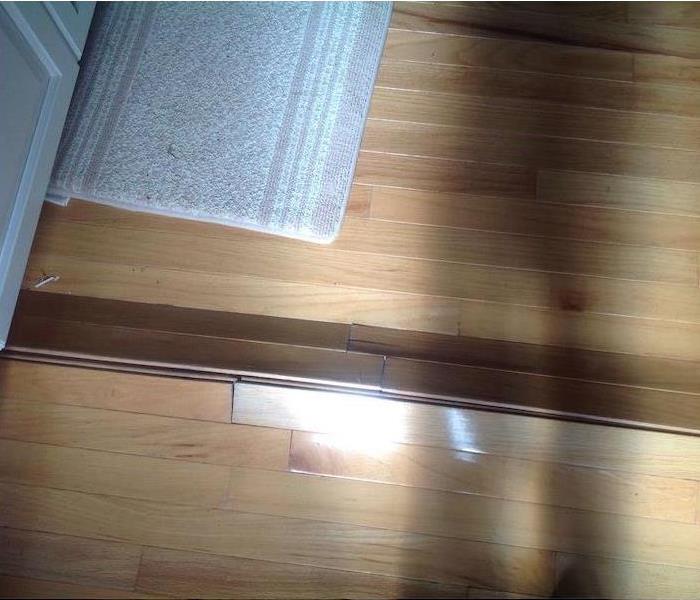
506, 21
496, 476
111, 473
26, 587
567, 397
172, 319
531, 117
541, 87
517, 436
575, 329
243, 293
590, 576
278, 539
533, 218
189, 352
167, 396
589, 189
189, 574
517, 251
507, 54
625, 369
69, 559
465, 516
527, 151
145, 435
279, 258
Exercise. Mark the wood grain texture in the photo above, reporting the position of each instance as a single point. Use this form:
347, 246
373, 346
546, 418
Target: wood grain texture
526, 151
170, 397
565, 28
243, 293
123, 475
560, 361
189, 574
144, 435
278, 539
508, 54
381, 420
589, 189
25, 587
552, 395
75, 560
496, 476
146, 347
540, 87
465, 516
529, 116
590, 223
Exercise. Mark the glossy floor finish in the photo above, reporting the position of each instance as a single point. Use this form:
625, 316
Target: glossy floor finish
528, 175
129, 485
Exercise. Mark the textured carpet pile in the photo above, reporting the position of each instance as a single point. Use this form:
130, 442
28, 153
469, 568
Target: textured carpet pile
247, 114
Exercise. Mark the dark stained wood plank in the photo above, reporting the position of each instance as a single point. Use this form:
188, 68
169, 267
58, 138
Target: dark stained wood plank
624, 369
172, 319
44, 334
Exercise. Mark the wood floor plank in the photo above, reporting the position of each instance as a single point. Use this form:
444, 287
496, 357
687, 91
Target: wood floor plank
75, 560
465, 516
519, 252
25, 587
507, 54
636, 193
652, 68
531, 117
279, 258
607, 367
568, 397
383, 238
189, 574
533, 218
571, 30
482, 594
586, 576
278, 539
440, 175
144, 435
172, 350
517, 436
243, 293
540, 87
572, 328
527, 151
496, 476
173, 319
675, 14
111, 473
167, 396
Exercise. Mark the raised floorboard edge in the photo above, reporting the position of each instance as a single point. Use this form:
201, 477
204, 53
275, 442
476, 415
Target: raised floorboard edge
64, 341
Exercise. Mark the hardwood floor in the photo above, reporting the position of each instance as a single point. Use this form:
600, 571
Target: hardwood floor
523, 233
130, 485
